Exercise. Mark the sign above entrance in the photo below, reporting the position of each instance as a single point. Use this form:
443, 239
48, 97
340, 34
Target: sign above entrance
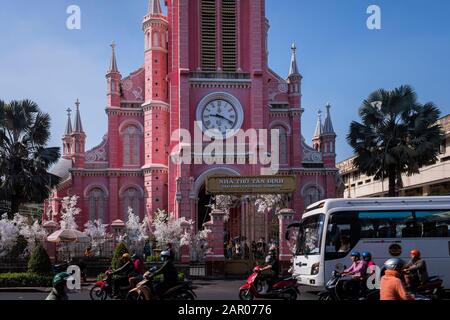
251, 185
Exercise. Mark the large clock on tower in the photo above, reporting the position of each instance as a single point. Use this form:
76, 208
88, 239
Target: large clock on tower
220, 114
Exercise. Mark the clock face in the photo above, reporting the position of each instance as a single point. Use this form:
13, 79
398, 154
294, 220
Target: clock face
220, 115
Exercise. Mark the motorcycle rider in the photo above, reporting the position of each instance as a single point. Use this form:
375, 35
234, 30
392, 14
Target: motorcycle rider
355, 273
391, 286
367, 257
272, 266
125, 272
169, 273
59, 290
415, 271
139, 268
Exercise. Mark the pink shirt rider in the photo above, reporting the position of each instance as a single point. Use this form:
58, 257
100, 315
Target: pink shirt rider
358, 269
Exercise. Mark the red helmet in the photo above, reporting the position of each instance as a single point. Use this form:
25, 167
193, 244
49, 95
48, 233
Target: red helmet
415, 253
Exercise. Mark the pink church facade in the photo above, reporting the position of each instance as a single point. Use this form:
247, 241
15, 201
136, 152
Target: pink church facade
201, 54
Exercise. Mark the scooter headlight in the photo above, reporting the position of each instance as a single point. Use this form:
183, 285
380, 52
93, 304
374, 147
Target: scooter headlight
315, 268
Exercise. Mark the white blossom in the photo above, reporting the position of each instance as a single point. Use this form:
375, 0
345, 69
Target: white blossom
136, 232
9, 232
224, 203
96, 230
33, 234
169, 230
69, 212
271, 202
198, 243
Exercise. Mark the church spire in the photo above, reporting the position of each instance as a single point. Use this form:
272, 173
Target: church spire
319, 127
293, 70
328, 126
78, 125
113, 63
154, 7
68, 130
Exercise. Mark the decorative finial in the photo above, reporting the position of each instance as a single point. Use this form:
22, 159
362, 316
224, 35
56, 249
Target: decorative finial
113, 45
77, 103
294, 47
69, 111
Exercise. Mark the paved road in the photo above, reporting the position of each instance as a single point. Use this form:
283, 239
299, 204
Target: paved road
206, 290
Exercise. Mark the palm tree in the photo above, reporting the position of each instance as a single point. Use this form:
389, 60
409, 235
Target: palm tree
397, 135
24, 158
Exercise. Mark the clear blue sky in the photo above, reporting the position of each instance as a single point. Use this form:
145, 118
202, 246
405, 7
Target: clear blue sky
340, 59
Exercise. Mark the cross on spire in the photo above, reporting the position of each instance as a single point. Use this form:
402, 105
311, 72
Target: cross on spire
68, 130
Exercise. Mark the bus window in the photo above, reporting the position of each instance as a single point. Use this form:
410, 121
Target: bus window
376, 224
433, 224
309, 235
342, 235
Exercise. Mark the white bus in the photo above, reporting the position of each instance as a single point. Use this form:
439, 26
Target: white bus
387, 227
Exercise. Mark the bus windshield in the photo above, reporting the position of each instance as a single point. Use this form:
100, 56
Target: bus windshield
310, 235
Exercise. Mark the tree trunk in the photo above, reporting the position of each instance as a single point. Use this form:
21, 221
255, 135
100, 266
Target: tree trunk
392, 182
15, 204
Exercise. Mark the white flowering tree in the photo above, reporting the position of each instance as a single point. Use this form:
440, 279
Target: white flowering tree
33, 234
224, 203
198, 243
98, 234
271, 202
136, 232
10, 230
69, 212
169, 230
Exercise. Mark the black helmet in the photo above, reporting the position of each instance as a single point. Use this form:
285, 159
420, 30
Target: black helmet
394, 264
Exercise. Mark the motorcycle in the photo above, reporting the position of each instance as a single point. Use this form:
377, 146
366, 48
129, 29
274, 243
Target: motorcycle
144, 291
432, 288
284, 288
336, 291
103, 290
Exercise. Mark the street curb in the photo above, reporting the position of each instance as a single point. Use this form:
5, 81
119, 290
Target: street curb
26, 290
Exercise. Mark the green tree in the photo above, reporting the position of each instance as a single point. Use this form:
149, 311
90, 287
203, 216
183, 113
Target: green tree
120, 249
39, 262
397, 135
24, 157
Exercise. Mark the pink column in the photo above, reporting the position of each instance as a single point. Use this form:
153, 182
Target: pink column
286, 217
216, 225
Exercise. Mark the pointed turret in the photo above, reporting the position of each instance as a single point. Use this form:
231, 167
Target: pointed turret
154, 7
78, 126
328, 141
293, 70
114, 78
319, 127
68, 130
328, 125
113, 64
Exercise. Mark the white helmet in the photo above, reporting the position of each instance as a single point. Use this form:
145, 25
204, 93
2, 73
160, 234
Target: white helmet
165, 255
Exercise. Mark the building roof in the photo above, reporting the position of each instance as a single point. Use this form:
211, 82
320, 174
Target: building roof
61, 169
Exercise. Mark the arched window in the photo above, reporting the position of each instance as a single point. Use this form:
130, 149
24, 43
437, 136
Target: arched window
97, 203
312, 195
131, 146
155, 40
131, 199
283, 145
